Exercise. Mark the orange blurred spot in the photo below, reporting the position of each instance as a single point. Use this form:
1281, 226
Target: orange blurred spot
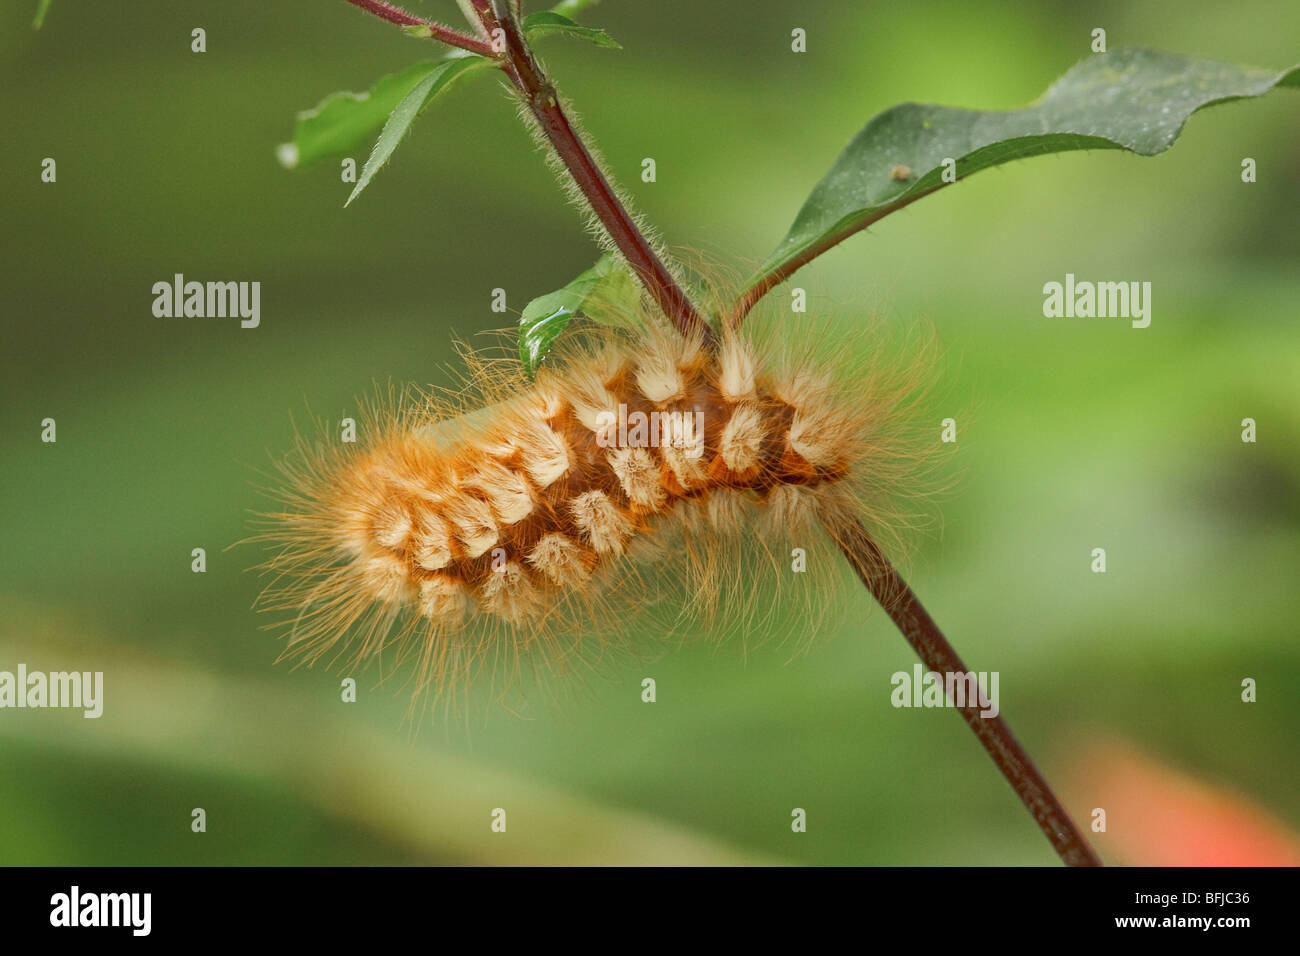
1158, 816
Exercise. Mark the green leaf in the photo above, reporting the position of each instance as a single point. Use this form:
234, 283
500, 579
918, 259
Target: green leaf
606, 293
42, 8
1136, 100
343, 122
414, 103
548, 21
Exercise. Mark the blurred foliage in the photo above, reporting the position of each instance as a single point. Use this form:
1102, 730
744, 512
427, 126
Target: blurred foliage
1072, 435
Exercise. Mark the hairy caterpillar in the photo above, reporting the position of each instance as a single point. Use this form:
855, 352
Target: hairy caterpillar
522, 525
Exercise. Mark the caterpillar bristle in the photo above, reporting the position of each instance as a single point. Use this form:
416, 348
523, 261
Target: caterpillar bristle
520, 525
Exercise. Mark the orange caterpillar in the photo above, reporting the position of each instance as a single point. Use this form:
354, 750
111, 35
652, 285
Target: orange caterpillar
640, 471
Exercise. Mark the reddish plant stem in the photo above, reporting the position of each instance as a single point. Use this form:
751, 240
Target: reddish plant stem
544, 104
395, 14
902, 605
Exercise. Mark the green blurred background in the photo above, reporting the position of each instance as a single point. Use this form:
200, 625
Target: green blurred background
1084, 434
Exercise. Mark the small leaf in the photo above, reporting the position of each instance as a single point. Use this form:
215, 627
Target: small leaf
606, 293
548, 21
1136, 100
414, 103
344, 122
42, 8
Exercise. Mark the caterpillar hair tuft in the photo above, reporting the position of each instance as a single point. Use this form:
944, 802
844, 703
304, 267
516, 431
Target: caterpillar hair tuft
521, 526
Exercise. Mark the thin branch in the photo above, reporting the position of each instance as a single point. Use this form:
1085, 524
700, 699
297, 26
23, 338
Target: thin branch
395, 14
888, 587
544, 104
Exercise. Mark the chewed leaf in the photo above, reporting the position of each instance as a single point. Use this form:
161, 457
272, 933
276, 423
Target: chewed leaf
343, 122
548, 21
604, 293
399, 121
1136, 100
